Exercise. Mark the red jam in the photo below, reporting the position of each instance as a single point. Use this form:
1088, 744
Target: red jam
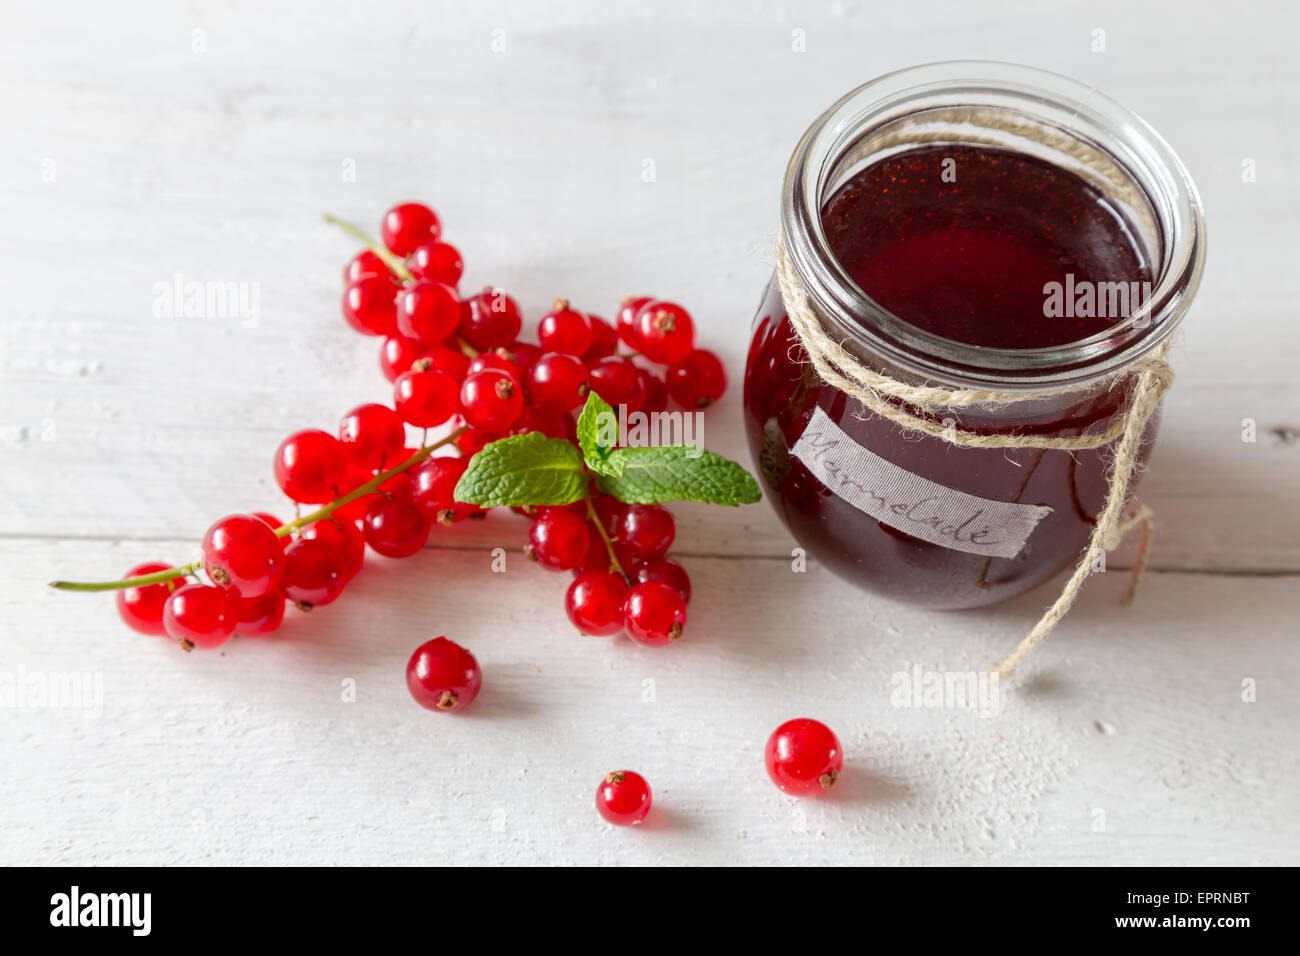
967, 256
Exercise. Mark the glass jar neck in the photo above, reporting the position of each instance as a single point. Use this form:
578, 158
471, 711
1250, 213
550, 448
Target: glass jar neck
1013, 108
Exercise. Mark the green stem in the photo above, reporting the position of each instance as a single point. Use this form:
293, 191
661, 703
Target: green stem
158, 577
393, 262
614, 566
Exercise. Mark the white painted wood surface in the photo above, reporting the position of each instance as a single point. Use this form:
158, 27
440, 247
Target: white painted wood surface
129, 158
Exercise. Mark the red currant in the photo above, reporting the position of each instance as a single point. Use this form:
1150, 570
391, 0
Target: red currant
594, 603
199, 615
490, 319
665, 332
399, 353
142, 608
491, 401
804, 757
496, 360
428, 311
597, 556
604, 340
394, 527
243, 553
433, 489
259, 616
425, 399
654, 614
366, 263
623, 798
274, 522
558, 540
523, 355
314, 573
344, 537
439, 261
373, 436
627, 311
665, 570
697, 380
442, 675
548, 421
409, 225
449, 361
370, 306
618, 382
564, 330
559, 381
656, 395
472, 440
646, 531
309, 465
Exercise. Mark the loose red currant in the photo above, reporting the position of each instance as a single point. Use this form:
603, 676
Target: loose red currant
647, 531
549, 421
604, 340
409, 225
656, 394
523, 355
442, 675
804, 757
665, 570
366, 263
259, 616
370, 306
242, 552
399, 353
199, 615
433, 489
627, 311
496, 360
439, 261
490, 319
344, 537
594, 603
618, 382
491, 401
314, 574
654, 614
394, 527
373, 436
559, 381
665, 332
564, 330
425, 399
451, 362
428, 311
142, 608
558, 540
697, 380
623, 798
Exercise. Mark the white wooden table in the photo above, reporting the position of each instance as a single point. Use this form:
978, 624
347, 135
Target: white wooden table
144, 141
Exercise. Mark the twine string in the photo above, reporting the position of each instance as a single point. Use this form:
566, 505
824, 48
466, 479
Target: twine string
913, 407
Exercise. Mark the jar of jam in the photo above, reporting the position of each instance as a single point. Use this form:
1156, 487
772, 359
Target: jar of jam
967, 226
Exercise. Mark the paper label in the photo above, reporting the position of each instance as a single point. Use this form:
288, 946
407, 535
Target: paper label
917, 506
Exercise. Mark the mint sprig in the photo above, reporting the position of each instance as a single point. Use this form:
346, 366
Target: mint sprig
532, 469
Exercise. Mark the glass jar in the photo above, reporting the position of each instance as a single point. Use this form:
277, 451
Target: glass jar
878, 529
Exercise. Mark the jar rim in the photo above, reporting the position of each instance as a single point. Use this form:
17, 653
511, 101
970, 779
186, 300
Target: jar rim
1042, 97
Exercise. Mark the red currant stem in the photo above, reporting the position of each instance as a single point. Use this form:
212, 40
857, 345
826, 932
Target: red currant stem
614, 566
467, 349
158, 577
370, 486
393, 262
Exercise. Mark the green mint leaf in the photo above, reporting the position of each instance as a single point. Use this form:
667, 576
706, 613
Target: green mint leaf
528, 469
678, 473
597, 436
